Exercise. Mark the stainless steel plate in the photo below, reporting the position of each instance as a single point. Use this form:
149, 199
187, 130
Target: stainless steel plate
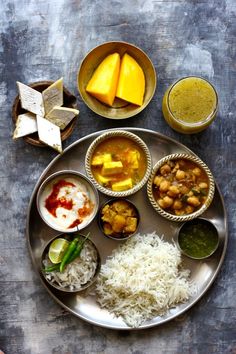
83, 305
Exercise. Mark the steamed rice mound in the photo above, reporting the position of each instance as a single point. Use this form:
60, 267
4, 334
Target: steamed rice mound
142, 279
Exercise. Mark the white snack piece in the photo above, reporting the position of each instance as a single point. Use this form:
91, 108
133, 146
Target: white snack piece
31, 99
25, 124
49, 133
53, 96
62, 116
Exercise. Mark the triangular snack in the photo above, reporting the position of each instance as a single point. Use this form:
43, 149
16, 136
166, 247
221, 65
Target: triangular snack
61, 116
25, 124
31, 99
53, 96
49, 133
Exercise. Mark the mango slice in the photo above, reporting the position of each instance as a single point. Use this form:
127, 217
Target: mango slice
103, 83
131, 84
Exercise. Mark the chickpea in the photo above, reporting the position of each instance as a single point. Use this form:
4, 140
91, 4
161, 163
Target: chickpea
190, 194
189, 209
165, 169
194, 201
171, 194
180, 175
197, 171
164, 186
203, 185
177, 205
168, 201
157, 180
161, 203
174, 190
179, 212
184, 189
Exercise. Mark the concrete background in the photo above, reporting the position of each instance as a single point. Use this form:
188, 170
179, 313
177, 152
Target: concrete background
44, 40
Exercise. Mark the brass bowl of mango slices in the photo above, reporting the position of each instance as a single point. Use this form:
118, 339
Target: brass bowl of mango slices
116, 80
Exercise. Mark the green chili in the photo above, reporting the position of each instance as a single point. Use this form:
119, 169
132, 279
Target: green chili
68, 253
52, 268
78, 249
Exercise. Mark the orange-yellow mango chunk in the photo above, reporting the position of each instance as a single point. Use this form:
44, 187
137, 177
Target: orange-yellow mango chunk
131, 84
103, 83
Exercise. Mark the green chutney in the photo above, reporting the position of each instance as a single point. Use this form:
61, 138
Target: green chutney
198, 238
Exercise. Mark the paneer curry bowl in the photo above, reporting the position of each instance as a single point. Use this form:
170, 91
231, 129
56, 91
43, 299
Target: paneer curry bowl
118, 163
181, 187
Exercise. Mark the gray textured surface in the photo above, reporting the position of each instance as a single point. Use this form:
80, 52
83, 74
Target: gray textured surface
46, 40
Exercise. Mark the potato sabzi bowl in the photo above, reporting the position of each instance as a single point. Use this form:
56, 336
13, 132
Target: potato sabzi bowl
118, 163
181, 187
118, 219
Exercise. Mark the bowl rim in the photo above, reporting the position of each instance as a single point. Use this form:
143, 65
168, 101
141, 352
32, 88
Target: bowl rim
137, 109
85, 286
78, 175
185, 217
100, 221
204, 220
128, 135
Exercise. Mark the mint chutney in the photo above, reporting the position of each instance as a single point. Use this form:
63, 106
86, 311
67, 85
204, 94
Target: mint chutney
198, 238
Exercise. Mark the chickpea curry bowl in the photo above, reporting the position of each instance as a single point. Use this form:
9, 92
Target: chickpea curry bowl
118, 219
118, 163
181, 187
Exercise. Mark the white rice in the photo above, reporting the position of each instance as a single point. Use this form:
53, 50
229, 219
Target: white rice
142, 279
77, 273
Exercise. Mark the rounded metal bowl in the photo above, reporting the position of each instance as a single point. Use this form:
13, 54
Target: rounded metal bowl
46, 275
108, 135
185, 217
195, 222
121, 236
46, 188
120, 109
69, 101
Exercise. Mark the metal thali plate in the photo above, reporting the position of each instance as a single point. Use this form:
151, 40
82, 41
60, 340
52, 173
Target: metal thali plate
83, 304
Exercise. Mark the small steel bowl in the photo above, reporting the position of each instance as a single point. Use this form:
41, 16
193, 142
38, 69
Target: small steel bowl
44, 258
123, 134
46, 188
196, 221
69, 101
120, 109
185, 217
118, 236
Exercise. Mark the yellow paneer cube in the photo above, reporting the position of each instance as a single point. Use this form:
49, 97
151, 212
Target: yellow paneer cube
100, 159
133, 159
103, 180
122, 185
112, 168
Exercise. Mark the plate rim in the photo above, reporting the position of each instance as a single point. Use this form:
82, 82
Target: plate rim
93, 322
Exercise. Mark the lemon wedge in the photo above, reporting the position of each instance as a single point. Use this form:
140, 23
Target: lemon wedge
57, 250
